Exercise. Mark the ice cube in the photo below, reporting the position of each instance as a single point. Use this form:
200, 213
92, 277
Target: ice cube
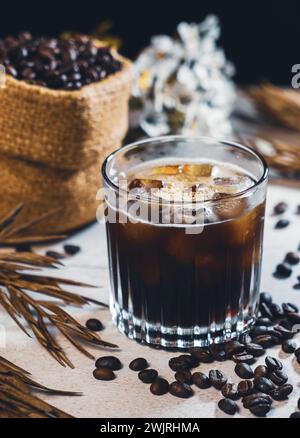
230, 208
195, 170
166, 170
145, 183
232, 184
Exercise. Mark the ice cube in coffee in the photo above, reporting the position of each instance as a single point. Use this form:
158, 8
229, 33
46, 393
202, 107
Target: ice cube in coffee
185, 258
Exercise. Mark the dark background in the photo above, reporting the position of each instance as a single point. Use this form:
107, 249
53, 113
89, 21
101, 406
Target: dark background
262, 38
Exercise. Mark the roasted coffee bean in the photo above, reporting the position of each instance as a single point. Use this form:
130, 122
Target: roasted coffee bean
280, 208
179, 363
289, 346
276, 335
218, 352
282, 223
265, 311
201, 380
160, 386
229, 390
95, 325
243, 358
256, 398
245, 339
284, 333
285, 324
259, 330
293, 318
201, 354
295, 415
245, 387
255, 350
217, 378
283, 271
260, 409
191, 361
290, 308
263, 321
278, 377
70, 249
263, 384
148, 376
266, 341
138, 364
276, 310
282, 392
54, 255
265, 297
184, 376
261, 371
292, 258
104, 374
111, 362
273, 364
228, 406
234, 347
244, 371
181, 390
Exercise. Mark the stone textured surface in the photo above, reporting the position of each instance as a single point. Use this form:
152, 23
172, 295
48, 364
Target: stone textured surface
126, 396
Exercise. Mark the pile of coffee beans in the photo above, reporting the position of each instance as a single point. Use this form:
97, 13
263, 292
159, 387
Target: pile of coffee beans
57, 63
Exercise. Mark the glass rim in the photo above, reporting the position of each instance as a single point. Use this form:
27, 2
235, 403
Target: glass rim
170, 138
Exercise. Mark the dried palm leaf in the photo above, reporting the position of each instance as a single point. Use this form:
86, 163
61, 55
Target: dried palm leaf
18, 285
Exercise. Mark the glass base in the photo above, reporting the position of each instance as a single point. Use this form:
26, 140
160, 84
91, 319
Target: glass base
178, 337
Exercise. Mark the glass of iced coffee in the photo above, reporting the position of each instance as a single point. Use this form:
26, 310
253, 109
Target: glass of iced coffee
184, 220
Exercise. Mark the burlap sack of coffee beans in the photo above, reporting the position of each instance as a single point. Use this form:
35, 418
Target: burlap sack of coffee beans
52, 144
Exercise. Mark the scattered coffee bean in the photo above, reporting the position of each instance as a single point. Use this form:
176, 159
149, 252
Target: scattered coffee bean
278, 377
71, 249
104, 374
148, 376
293, 318
201, 380
229, 390
263, 321
94, 324
276, 310
255, 350
189, 360
259, 330
256, 398
260, 409
245, 339
201, 354
273, 364
217, 378
265, 297
280, 208
55, 255
289, 346
181, 390
244, 371
184, 376
292, 258
228, 406
265, 310
282, 223
243, 358
283, 271
234, 347
138, 364
160, 386
295, 415
111, 362
290, 308
261, 371
282, 392
219, 354
284, 332
263, 384
178, 363
266, 341
245, 387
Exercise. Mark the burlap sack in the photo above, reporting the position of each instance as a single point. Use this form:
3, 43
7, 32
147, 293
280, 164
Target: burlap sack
52, 144
64, 129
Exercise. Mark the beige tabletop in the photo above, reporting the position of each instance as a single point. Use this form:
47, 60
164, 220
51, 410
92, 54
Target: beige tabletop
126, 396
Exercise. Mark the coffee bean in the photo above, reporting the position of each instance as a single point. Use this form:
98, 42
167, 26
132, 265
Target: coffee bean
181, 390
190, 361
273, 364
228, 406
201, 354
289, 346
283, 271
282, 223
276, 310
243, 358
265, 311
217, 378
285, 324
70, 249
245, 339
111, 362
256, 398
54, 255
290, 308
280, 208
104, 374
138, 364
160, 386
260, 371
148, 376
244, 371
229, 390
263, 384
293, 318
259, 330
201, 380
255, 350
265, 297
234, 347
94, 325
278, 377
282, 392
284, 333
263, 321
184, 376
292, 258
276, 335
266, 341
260, 409
295, 415
219, 354
245, 387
